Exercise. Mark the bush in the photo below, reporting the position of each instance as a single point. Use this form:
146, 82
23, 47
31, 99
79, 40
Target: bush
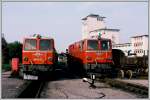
6, 67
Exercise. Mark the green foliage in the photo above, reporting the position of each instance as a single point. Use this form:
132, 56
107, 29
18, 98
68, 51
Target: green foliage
6, 67
5, 50
15, 50
9, 51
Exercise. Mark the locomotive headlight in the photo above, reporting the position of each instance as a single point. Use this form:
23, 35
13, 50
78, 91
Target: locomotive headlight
25, 59
50, 59
89, 58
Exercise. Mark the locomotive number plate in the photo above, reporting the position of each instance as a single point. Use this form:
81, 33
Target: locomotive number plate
30, 77
98, 53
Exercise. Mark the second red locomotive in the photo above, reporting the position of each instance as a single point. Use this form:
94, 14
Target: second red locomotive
94, 55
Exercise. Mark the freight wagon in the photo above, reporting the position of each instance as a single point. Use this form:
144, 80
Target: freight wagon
131, 65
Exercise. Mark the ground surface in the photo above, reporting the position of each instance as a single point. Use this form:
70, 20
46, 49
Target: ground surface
11, 87
63, 87
76, 89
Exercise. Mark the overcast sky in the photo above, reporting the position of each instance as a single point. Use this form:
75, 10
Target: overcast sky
62, 20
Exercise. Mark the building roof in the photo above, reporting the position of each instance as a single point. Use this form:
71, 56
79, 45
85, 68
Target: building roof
105, 29
93, 15
122, 43
140, 36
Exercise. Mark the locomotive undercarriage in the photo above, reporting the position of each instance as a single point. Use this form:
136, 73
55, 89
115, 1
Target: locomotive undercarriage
132, 70
100, 69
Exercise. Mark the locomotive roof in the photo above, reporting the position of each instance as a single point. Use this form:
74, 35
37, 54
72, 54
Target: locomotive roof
36, 37
91, 39
97, 39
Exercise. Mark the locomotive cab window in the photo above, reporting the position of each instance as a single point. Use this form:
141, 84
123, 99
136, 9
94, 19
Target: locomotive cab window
81, 45
92, 45
105, 45
30, 44
45, 45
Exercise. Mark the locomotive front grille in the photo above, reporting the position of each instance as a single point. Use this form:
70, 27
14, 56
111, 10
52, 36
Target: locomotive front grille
98, 66
38, 68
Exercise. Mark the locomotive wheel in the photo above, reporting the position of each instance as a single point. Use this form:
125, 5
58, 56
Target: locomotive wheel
121, 74
129, 74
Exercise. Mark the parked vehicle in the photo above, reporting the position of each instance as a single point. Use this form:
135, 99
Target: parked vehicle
62, 60
38, 56
91, 56
130, 65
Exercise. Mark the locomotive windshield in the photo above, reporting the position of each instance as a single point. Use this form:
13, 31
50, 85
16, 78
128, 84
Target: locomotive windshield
105, 45
92, 45
30, 44
45, 45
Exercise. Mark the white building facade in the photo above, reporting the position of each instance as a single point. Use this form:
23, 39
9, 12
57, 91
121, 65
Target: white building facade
137, 45
93, 24
140, 44
90, 23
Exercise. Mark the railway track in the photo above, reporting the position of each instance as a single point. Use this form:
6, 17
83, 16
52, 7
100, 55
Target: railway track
138, 89
33, 90
134, 88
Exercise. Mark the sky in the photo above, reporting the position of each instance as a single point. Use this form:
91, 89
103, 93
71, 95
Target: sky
62, 20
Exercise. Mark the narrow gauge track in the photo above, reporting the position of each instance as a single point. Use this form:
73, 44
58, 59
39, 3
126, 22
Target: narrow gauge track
33, 90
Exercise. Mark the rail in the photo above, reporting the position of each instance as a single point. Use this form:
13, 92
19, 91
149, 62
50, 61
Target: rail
135, 88
33, 90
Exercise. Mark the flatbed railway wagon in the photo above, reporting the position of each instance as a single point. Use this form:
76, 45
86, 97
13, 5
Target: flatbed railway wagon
38, 56
91, 56
131, 65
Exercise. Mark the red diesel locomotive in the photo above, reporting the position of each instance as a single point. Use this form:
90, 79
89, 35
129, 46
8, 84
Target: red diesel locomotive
38, 55
94, 55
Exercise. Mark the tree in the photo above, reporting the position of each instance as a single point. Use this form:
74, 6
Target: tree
15, 50
5, 50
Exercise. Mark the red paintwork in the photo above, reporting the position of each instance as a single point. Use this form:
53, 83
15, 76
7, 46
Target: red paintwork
99, 56
34, 58
37, 56
15, 64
